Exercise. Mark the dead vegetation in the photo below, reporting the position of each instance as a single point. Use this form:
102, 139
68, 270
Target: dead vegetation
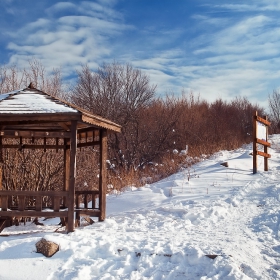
160, 135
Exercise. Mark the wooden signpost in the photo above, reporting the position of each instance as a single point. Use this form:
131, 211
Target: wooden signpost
260, 134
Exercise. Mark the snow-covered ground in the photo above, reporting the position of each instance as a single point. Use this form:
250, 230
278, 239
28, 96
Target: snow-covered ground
166, 230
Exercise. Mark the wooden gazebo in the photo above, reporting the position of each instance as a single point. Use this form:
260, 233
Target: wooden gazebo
28, 115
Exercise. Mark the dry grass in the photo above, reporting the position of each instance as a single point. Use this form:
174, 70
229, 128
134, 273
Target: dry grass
153, 172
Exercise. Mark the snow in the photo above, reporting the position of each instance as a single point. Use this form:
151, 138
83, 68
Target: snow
26, 102
166, 230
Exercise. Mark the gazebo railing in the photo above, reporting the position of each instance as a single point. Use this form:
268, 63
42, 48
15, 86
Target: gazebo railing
15, 203
32, 203
83, 196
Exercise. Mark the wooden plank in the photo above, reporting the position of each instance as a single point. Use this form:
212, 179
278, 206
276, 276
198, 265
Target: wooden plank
255, 163
85, 201
87, 129
100, 122
266, 158
32, 213
77, 218
56, 204
45, 143
102, 175
84, 133
2, 224
64, 126
93, 202
29, 123
262, 142
77, 201
1, 159
40, 130
88, 219
72, 180
21, 203
4, 203
87, 192
46, 117
56, 143
30, 146
259, 153
33, 193
10, 201
39, 203
66, 159
264, 121
266, 151
88, 144
1, 172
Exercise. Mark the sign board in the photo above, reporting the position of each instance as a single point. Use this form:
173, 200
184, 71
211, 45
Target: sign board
261, 131
260, 134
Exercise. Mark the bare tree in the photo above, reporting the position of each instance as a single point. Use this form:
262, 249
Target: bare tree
120, 93
13, 78
114, 91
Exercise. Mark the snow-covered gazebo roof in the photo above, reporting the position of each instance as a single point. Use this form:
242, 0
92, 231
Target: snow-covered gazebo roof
32, 104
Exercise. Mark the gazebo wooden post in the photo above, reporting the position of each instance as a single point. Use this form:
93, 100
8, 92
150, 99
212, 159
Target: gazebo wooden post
66, 163
72, 176
102, 175
1, 166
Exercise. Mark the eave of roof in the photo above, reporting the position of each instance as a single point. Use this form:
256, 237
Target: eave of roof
32, 104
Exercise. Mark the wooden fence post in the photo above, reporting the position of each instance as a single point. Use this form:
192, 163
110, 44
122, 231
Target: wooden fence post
255, 143
266, 150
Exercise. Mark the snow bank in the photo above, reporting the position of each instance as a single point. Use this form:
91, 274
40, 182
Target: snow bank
168, 230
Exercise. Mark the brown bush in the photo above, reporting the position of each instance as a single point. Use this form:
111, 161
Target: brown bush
152, 128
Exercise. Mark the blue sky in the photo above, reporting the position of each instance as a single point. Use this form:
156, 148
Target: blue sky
215, 48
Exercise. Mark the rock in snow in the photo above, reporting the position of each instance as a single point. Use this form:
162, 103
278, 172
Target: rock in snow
47, 248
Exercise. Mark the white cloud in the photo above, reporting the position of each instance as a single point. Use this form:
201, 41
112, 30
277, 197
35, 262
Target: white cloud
229, 55
68, 41
61, 6
239, 60
260, 5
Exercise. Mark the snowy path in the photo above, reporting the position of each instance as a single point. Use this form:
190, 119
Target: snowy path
170, 241
165, 230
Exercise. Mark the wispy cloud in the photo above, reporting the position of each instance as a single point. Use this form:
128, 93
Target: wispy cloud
68, 40
261, 5
239, 58
222, 50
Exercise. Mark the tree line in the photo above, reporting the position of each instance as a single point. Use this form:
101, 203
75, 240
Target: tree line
159, 135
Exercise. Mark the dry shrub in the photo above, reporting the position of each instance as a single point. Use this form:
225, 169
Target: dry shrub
32, 169
151, 127
171, 163
87, 169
